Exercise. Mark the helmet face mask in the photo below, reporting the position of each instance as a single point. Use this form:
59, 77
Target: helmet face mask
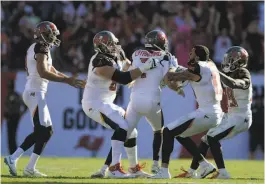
235, 58
47, 32
105, 42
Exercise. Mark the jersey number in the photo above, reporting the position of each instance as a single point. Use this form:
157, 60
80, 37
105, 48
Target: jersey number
113, 86
231, 98
26, 67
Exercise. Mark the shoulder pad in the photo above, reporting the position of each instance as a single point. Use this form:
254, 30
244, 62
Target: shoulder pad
41, 48
101, 60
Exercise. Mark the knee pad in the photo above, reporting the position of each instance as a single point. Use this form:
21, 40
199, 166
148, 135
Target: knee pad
212, 140
134, 134
119, 135
43, 133
130, 143
166, 131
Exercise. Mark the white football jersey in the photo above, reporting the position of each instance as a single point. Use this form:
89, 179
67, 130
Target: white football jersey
149, 82
34, 81
98, 88
208, 90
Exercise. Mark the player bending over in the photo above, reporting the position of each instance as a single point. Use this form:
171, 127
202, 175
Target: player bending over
239, 117
205, 81
104, 73
40, 71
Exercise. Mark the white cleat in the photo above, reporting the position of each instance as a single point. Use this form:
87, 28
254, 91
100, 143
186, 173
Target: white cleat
99, 174
137, 171
11, 165
155, 168
205, 170
116, 171
221, 175
163, 173
33, 173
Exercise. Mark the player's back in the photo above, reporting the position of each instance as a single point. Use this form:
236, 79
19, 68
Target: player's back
239, 100
148, 84
34, 81
98, 88
208, 90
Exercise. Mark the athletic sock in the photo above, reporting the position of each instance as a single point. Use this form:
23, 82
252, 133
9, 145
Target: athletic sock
33, 161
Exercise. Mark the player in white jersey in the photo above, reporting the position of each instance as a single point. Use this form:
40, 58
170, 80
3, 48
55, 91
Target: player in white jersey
238, 89
205, 81
40, 71
104, 73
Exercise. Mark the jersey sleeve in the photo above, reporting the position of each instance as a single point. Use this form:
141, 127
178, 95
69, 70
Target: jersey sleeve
42, 49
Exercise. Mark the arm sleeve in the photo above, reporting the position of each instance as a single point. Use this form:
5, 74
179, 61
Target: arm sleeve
122, 77
100, 61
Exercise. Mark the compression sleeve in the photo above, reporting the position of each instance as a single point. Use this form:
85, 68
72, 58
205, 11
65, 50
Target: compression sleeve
122, 77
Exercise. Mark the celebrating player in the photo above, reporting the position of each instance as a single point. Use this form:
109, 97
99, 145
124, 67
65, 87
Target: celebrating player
40, 71
239, 117
104, 73
205, 81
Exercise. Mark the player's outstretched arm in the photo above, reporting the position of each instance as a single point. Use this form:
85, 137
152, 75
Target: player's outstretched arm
124, 78
242, 83
183, 76
42, 68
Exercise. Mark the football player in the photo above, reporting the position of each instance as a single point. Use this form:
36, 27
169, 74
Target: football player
238, 88
205, 81
104, 73
40, 71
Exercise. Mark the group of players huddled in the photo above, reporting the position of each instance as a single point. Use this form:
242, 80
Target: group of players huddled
151, 69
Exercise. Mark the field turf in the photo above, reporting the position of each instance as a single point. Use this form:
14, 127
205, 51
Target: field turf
78, 170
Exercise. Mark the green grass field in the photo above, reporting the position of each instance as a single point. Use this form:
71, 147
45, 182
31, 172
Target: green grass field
78, 170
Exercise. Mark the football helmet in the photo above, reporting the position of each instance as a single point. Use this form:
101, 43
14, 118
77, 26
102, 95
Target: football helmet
235, 57
156, 40
47, 32
106, 42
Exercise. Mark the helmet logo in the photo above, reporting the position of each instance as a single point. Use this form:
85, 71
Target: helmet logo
101, 39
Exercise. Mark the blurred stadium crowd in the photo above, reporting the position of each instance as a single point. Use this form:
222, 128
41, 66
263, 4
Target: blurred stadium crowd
217, 25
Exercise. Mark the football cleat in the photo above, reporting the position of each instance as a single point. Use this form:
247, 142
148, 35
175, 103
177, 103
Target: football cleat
99, 174
155, 168
33, 173
163, 173
185, 174
116, 171
138, 172
205, 170
11, 165
218, 175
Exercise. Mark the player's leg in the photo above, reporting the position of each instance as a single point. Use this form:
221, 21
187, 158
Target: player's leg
43, 132
183, 128
133, 117
233, 126
31, 102
156, 120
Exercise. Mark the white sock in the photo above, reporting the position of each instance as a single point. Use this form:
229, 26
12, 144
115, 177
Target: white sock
222, 171
203, 163
33, 161
132, 155
191, 170
156, 162
163, 169
17, 154
104, 167
116, 151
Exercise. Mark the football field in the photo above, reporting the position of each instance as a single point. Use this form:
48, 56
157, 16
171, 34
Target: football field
78, 170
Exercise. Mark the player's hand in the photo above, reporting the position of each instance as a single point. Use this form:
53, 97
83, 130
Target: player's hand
77, 83
151, 63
